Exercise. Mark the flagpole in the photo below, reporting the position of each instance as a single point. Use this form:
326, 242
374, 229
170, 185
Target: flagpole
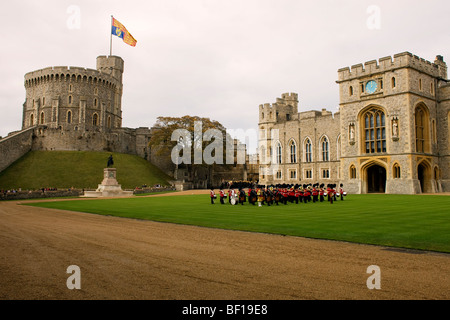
110, 40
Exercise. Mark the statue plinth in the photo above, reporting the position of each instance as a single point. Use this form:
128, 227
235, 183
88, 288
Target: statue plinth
109, 186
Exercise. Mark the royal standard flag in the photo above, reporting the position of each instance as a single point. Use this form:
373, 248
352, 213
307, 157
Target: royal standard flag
119, 30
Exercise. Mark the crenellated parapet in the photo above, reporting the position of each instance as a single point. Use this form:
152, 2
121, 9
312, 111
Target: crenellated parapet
284, 109
437, 69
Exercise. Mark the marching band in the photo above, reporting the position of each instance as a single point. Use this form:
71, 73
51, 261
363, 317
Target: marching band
239, 192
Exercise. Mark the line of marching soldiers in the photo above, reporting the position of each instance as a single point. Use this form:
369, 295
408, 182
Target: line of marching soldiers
283, 194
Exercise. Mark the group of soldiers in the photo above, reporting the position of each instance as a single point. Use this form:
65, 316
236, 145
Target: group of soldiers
274, 195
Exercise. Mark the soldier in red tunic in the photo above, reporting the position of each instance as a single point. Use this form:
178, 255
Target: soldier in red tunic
212, 195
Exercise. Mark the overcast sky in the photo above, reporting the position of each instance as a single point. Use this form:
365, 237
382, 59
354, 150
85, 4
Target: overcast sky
219, 59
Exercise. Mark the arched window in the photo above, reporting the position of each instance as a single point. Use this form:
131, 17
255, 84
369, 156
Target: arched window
109, 122
396, 171
374, 131
70, 99
31, 119
352, 172
279, 150
325, 149
308, 150
69, 116
421, 124
350, 91
95, 102
293, 150
95, 119
393, 82
42, 117
436, 173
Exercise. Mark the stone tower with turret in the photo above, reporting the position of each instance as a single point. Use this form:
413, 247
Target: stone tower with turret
75, 98
393, 119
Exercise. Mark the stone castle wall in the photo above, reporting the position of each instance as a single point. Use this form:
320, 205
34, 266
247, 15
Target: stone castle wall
14, 146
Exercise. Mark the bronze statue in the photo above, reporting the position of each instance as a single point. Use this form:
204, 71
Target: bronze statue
110, 161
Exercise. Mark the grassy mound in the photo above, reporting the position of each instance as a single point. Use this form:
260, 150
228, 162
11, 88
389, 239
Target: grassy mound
78, 169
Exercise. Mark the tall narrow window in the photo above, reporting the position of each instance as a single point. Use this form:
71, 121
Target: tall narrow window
350, 91
70, 99
393, 83
109, 122
420, 84
422, 127
31, 119
95, 119
397, 173
375, 131
325, 150
352, 172
42, 118
293, 149
308, 150
279, 153
69, 116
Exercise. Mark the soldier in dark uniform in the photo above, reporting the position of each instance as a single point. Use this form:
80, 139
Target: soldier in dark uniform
242, 196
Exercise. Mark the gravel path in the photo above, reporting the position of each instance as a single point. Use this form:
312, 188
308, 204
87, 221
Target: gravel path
132, 259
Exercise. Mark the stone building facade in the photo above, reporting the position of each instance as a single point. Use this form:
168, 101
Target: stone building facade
391, 133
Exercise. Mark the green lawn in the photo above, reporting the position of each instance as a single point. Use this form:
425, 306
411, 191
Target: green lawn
415, 222
78, 169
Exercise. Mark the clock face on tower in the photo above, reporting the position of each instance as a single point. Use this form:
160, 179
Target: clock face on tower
371, 87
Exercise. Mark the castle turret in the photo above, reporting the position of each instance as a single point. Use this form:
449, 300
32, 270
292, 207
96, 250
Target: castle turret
112, 65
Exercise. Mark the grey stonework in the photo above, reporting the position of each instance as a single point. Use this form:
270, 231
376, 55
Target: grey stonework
406, 88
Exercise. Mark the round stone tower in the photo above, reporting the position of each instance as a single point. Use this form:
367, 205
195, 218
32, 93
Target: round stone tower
73, 98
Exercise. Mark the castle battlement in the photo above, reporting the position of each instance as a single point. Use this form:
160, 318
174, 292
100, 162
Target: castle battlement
400, 60
108, 73
65, 73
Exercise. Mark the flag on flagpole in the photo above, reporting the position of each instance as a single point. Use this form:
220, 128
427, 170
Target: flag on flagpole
119, 30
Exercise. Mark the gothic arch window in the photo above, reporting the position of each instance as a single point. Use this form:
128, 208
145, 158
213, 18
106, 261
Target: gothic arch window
95, 102
308, 150
109, 122
436, 173
31, 119
42, 117
421, 125
393, 82
350, 91
352, 172
325, 149
69, 116
396, 171
95, 119
279, 153
293, 151
374, 123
